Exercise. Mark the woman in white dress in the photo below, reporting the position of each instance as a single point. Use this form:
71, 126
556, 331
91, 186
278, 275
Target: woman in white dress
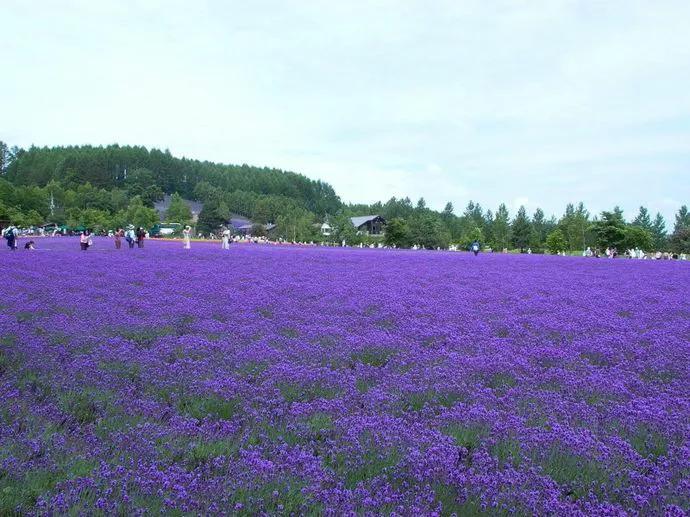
186, 234
225, 239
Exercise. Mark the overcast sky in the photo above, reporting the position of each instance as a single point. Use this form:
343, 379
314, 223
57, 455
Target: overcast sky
528, 102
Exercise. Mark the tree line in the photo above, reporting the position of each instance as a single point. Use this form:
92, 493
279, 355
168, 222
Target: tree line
108, 187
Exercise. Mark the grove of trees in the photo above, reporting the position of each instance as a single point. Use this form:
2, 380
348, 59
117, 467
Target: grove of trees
106, 187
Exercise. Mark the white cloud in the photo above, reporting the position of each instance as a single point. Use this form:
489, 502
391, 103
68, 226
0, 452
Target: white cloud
551, 101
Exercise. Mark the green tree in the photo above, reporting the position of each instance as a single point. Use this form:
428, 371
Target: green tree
501, 228
574, 224
521, 230
679, 241
178, 211
643, 219
610, 229
555, 241
659, 232
140, 215
637, 237
682, 219
427, 231
142, 182
397, 233
539, 230
213, 215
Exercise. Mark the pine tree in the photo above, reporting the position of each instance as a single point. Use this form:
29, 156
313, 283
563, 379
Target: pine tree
521, 230
659, 232
643, 220
501, 228
682, 219
539, 232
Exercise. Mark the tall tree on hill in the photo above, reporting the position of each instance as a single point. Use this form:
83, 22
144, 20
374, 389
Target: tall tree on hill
521, 230
501, 228
4, 157
659, 232
142, 182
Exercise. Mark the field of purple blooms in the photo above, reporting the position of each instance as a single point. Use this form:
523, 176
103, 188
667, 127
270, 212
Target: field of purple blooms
328, 381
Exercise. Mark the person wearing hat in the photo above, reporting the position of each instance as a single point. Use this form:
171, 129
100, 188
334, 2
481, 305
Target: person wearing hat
130, 237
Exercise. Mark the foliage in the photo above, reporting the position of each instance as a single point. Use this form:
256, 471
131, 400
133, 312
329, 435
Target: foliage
397, 233
610, 229
555, 242
178, 211
521, 230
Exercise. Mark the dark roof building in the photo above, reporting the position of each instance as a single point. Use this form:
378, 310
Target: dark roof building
369, 224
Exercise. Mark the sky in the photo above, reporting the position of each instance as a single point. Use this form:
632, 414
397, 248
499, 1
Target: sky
536, 103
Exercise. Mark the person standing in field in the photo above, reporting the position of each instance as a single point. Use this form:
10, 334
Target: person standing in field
10, 234
141, 234
187, 236
225, 238
475, 248
85, 240
118, 238
130, 237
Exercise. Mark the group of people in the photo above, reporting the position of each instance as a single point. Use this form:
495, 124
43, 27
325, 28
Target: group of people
131, 236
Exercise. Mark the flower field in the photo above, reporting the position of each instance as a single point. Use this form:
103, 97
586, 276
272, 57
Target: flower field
329, 381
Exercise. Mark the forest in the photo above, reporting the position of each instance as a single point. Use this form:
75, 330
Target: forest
106, 187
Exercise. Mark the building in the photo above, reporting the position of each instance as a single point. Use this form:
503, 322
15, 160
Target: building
326, 229
369, 224
243, 226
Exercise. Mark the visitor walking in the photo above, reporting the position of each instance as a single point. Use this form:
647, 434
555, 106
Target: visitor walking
130, 237
186, 235
475, 248
118, 238
141, 235
85, 240
225, 238
10, 234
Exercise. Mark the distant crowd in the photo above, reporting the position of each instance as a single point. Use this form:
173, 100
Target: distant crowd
136, 237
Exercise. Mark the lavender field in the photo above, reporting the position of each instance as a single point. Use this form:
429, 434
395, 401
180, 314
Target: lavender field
328, 381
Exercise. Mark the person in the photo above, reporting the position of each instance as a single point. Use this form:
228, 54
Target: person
225, 238
186, 234
85, 240
118, 238
475, 248
29, 246
529, 251
130, 237
141, 234
10, 234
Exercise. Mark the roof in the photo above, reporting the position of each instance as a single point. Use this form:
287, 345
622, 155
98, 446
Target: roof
362, 219
238, 221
